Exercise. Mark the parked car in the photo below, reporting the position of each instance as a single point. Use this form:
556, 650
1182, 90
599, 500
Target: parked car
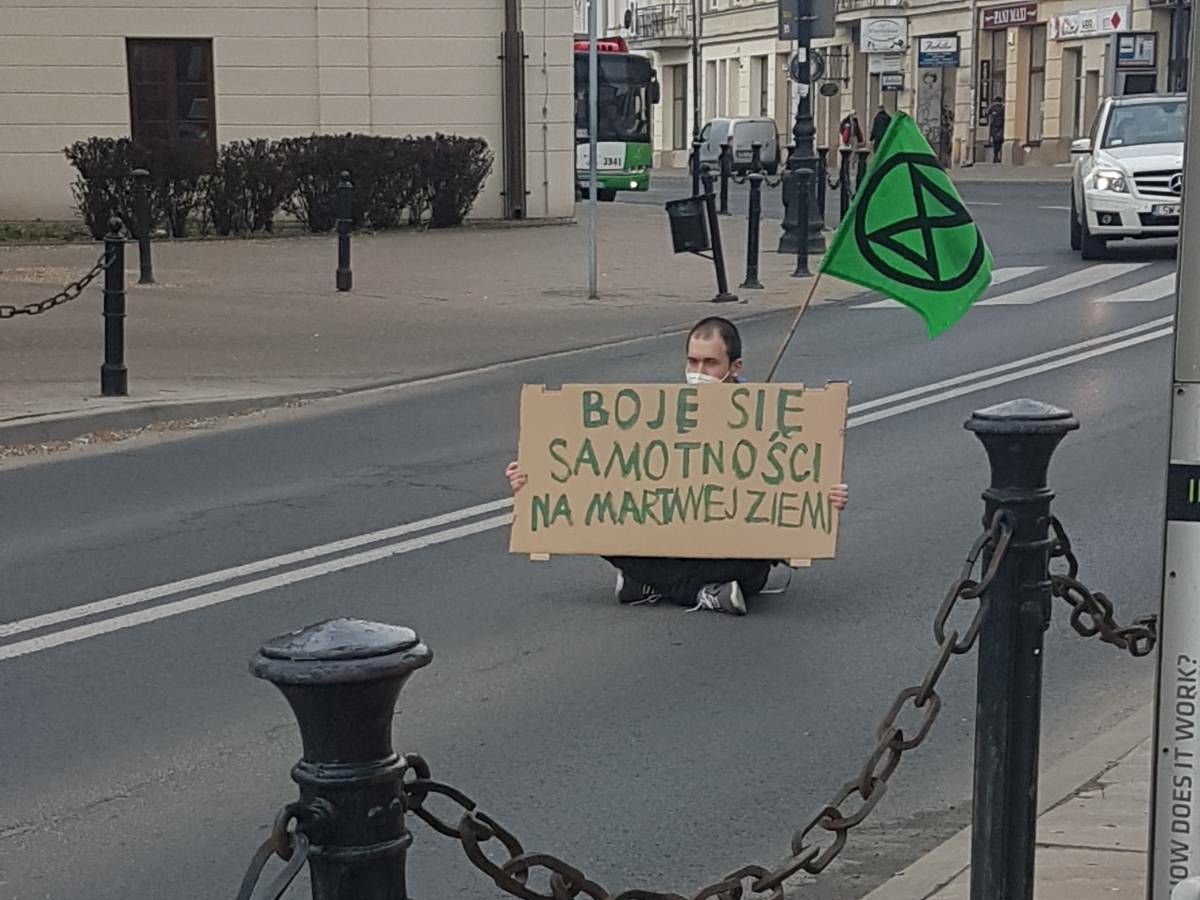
744, 133
1128, 175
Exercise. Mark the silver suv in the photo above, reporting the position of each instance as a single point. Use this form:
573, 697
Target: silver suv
1128, 177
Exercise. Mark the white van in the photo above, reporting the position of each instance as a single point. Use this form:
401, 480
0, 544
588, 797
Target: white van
744, 133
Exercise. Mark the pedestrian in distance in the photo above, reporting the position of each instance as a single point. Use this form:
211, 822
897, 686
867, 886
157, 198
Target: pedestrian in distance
714, 356
996, 128
850, 131
879, 126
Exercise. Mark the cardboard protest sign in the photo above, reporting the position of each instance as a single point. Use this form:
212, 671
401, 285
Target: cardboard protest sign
707, 471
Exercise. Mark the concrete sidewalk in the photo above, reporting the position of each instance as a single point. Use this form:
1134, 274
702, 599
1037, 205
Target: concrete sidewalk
1092, 828
242, 324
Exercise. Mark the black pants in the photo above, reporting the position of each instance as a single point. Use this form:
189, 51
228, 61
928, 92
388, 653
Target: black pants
997, 146
679, 580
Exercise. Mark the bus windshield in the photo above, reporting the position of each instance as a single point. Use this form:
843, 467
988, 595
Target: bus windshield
623, 107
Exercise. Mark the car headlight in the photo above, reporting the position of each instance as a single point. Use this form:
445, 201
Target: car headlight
1110, 180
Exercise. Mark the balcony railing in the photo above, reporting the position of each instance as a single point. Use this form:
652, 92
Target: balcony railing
664, 21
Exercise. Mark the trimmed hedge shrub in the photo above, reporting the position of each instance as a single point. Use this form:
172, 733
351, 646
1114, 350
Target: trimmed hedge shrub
395, 180
246, 188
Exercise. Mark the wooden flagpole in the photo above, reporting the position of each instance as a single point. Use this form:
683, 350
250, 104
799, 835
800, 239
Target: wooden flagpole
795, 324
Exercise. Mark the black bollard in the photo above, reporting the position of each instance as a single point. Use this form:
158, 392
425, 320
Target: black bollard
114, 376
791, 206
726, 174
714, 227
844, 178
863, 156
822, 181
755, 218
1020, 437
342, 679
141, 218
345, 221
804, 194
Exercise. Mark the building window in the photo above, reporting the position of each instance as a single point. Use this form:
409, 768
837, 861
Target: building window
171, 98
1073, 91
679, 80
1037, 83
1177, 59
733, 87
999, 65
761, 79
710, 90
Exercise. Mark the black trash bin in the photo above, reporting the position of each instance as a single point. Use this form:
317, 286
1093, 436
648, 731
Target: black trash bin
689, 228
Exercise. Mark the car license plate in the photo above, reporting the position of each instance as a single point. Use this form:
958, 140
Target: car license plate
1166, 209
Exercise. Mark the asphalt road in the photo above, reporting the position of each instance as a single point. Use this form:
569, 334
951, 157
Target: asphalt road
649, 746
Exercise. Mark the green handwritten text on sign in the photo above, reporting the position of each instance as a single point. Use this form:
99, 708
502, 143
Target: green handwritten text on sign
710, 471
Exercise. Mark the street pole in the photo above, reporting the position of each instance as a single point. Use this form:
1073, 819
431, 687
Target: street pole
1175, 800
804, 155
696, 126
593, 115
973, 118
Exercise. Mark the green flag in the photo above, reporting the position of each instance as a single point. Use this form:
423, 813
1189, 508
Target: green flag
908, 234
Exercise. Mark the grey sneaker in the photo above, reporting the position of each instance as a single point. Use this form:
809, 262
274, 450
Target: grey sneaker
632, 592
726, 598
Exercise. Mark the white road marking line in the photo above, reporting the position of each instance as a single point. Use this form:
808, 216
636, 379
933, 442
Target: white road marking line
1056, 208
214, 598
1011, 376
1109, 344
983, 203
1007, 367
1073, 281
1158, 289
999, 276
263, 565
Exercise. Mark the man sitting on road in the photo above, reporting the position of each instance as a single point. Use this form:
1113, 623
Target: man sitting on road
714, 356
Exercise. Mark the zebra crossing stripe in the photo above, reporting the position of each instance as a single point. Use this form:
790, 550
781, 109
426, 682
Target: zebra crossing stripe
1064, 284
1158, 289
999, 276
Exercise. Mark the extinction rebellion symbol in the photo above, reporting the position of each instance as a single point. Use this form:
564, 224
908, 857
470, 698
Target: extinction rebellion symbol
917, 239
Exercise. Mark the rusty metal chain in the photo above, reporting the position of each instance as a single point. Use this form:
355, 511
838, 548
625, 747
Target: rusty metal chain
813, 847
66, 295
292, 845
1092, 611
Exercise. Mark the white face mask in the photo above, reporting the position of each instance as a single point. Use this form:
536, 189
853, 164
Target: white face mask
702, 378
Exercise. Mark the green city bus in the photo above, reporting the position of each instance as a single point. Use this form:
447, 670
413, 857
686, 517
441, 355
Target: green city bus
628, 90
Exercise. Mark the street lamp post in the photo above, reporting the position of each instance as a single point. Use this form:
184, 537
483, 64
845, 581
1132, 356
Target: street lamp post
802, 161
696, 126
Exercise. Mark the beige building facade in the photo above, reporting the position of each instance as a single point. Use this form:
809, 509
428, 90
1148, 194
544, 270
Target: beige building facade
945, 62
225, 71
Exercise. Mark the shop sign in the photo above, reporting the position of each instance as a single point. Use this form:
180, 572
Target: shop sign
880, 63
996, 17
1089, 23
1137, 50
883, 35
852, 5
938, 52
